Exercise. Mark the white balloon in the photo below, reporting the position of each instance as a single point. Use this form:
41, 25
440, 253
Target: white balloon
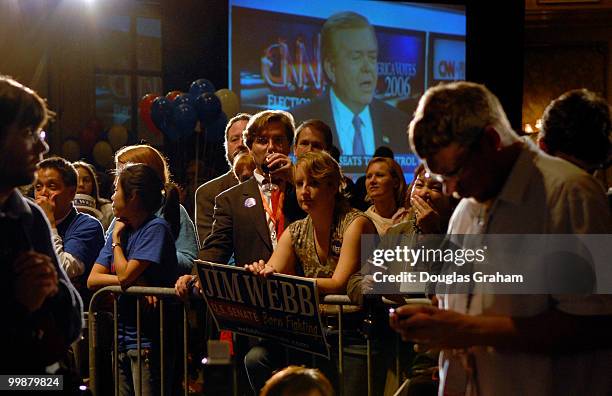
117, 136
103, 154
230, 104
71, 150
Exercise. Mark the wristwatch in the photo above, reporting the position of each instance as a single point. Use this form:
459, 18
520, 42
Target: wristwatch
115, 244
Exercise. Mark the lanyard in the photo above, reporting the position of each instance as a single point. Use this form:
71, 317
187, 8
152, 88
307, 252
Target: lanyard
276, 217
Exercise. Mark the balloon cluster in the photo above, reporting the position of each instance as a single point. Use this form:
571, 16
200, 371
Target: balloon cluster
96, 143
177, 114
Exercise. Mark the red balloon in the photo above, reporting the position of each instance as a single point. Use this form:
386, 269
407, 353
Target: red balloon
144, 108
87, 138
172, 95
95, 125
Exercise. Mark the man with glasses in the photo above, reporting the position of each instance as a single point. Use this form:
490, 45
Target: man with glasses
546, 344
41, 310
248, 219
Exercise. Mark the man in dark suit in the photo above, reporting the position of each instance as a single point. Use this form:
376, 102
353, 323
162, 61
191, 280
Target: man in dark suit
359, 122
248, 220
206, 193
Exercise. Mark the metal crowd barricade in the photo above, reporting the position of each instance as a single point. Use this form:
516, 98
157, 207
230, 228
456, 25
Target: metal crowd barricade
115, 291
342, 301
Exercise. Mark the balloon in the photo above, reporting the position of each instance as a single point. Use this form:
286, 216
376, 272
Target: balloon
87, 139
172, 132
208, 107
144, 110
96, 126
117, 136
173, 95
71, 150
229, 102
200, 86
161, 113
184, 99
185, 119
215, 132
103, 154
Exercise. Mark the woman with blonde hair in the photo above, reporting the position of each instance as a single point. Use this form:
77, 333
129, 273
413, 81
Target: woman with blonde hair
181, 225
326, 245
386, 188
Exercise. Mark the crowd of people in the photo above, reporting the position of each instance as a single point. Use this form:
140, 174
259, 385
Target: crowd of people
273, 214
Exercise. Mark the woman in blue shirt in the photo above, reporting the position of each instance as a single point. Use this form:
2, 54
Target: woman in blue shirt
139, 251
183, 229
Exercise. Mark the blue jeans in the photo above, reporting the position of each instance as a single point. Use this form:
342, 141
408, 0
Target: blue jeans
128, 373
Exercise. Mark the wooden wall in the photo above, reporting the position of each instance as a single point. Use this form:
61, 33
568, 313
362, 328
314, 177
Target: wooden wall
567, 45
45, 45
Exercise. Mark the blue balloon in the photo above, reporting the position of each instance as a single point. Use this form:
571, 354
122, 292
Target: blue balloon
184, 99
215, 132
208, 107
200, 86
172, 132
185, 119
161, 113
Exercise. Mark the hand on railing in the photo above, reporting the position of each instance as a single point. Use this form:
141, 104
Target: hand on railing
184, 285
260, 268
367, 284
150, 303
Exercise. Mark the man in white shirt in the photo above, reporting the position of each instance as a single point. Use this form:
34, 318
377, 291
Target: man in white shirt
546, 344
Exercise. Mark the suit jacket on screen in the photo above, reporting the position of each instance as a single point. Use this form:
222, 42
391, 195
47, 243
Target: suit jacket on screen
389, 124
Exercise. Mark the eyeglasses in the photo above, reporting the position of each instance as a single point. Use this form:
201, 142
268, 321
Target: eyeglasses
456, 173
276, 140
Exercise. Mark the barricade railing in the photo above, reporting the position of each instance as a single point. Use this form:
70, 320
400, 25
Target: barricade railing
115, 291
342, 301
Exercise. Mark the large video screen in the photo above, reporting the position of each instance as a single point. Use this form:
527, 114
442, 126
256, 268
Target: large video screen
362, 74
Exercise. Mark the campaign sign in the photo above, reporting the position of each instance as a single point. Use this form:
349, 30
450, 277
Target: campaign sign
281, 308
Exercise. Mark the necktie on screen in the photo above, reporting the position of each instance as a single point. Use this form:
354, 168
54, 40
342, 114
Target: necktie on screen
358, 148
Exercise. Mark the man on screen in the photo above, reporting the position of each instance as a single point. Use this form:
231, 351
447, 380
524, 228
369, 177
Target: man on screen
359, 122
